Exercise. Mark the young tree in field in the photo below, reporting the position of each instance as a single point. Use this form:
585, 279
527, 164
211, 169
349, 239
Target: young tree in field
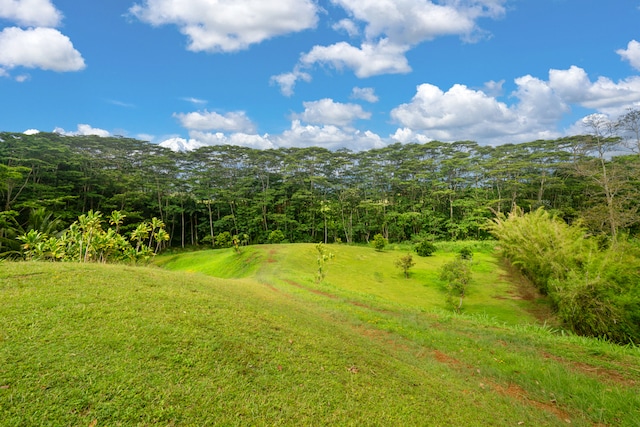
323, 257
405, 263
457, 275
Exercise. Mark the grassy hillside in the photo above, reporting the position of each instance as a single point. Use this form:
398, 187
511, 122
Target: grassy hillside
365, 275
113, 345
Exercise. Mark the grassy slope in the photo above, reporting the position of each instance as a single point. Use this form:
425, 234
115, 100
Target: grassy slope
144, 346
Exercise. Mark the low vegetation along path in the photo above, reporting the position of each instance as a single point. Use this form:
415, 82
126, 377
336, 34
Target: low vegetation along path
254, 339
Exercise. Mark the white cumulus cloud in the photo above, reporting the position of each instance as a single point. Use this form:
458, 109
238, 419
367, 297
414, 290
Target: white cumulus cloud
181, 144
328, 112
391, 29
30, 13
365, 93
462, 113
604, 95
631, 53
370, 59
327, 136
238, 138
414, 21
83, 129
347, 25
235, 121
287, 81
44, 48
228, 26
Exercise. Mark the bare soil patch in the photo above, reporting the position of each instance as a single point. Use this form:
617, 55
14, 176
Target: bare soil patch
598, 372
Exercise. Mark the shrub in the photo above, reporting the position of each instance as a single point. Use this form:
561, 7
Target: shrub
594, 289
466, 253
276, 236
224, 240
543, 247
379, 242
425, 248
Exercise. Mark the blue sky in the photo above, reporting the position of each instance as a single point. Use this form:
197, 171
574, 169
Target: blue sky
333, 73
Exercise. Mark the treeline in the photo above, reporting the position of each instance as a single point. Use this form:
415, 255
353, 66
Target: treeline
439, 190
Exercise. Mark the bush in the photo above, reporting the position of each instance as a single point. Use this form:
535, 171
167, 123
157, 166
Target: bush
466, 253
425, 248
379, 242
276, 236
224, 240
594, 289
543, 247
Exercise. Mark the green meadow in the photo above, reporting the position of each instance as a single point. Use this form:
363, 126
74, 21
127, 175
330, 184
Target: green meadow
219, 338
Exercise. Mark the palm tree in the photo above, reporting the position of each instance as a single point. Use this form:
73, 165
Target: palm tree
117, 218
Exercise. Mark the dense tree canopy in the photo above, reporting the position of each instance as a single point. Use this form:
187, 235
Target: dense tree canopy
438, 190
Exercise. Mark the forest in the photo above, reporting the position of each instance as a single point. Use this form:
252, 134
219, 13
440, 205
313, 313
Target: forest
441, 191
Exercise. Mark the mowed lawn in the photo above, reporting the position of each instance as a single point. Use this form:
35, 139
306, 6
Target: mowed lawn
108, 345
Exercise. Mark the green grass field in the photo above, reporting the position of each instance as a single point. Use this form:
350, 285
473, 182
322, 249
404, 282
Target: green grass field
251, 339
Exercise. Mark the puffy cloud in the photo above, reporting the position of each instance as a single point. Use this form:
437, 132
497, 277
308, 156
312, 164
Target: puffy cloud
239, 138
347, 25
370, 59
287, 81
414, 21
44, 48
539, 104
493, 88
31, 132
462, 113
236, 121
406, 135
365, 93
227, 26
328, 136
181, 144
538, 108
391, 29
30, 13
199, 139
574, 86
328, 112
631, 54
431, 108
83, 129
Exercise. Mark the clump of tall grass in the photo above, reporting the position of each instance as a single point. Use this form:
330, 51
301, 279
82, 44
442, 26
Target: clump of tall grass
594, 290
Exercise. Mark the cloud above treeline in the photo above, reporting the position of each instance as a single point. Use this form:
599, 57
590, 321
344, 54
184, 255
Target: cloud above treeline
451, 114
228, 26
372, 38
35, 42
386, 31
